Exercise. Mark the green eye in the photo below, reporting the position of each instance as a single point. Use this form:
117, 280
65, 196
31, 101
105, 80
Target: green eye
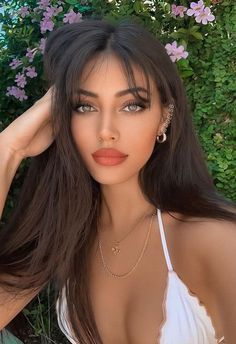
134, 105
86, 106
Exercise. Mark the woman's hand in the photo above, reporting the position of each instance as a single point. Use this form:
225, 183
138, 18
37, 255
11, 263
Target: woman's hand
31, 133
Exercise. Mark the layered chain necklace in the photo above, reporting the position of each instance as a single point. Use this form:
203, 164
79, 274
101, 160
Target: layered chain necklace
115, 248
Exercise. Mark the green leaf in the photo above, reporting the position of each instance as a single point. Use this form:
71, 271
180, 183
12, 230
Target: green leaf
177, 35
182, 30
197, 35
207, 3
186, 73
168, 8
137, 7
194, 28
82, 9
71, 2
183, 63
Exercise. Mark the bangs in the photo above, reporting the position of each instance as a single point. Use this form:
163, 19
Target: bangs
76, 69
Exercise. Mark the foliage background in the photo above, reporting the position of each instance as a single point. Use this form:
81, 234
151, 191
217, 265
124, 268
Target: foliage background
208, 74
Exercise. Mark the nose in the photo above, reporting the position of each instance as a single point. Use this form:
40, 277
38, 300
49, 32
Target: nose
107, 132
112, 138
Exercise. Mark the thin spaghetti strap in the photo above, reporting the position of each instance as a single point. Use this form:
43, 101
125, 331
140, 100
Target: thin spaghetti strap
163, 241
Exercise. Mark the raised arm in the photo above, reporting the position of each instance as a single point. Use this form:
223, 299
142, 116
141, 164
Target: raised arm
9, 165
28, 135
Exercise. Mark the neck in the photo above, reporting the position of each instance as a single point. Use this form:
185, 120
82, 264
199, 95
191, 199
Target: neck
123, 205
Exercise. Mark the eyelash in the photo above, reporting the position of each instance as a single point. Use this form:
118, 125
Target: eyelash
137, 103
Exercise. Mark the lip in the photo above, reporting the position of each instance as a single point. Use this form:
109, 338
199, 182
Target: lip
109, 157
109, 152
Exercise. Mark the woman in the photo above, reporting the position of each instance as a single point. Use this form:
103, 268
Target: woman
117, 208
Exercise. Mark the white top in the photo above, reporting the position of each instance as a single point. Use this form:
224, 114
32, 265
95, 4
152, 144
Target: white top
186, 320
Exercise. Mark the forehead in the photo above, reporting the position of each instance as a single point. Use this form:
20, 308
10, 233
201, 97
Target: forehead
108, 71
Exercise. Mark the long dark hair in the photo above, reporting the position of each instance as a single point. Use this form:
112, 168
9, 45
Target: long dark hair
53, 227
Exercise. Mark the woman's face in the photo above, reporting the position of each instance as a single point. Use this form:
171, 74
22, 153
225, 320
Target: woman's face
105, 120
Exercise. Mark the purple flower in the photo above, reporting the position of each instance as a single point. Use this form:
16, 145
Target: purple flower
196, 8
30, 54
31, 72
23, 11
49, 12
15, 63
11, 90
43, 4
46, 24
178, 10
174, 10
72, 17
16, 92
205, 16
176, 53
42, 45
20, 80
52, 11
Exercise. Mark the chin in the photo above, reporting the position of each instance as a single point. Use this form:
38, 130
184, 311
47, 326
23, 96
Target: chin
113, 177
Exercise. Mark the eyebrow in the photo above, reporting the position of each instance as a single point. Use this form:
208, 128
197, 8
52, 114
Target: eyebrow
118, 94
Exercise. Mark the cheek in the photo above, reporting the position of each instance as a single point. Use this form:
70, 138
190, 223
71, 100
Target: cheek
145, 148
140, 144
145, 139
81, 137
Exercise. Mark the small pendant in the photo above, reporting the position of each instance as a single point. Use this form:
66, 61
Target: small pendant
115, 249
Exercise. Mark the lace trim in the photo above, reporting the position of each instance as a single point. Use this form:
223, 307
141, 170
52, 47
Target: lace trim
201, 304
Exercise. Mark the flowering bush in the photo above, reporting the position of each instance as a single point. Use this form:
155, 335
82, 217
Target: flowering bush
47, 14
43, 16
198, 36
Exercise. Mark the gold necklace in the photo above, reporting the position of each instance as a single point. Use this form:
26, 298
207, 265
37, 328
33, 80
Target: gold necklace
116, 247
135, 265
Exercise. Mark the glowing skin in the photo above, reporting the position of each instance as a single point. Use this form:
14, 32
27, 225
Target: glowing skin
119, 126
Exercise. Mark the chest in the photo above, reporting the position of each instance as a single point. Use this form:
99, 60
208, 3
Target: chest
129, 310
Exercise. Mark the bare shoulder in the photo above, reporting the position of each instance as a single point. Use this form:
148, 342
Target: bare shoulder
217, 249
211, 244
205, 244
203, 234
212, 240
